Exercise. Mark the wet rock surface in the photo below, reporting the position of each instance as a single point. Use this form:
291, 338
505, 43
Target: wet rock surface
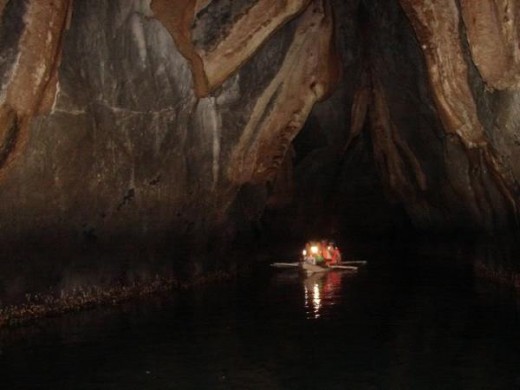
197, 125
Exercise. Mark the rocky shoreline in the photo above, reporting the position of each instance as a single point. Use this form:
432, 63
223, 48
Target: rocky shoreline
39, 306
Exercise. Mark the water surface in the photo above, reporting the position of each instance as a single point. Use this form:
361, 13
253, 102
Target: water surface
393, 325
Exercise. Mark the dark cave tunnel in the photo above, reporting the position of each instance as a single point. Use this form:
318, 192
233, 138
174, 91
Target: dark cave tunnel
136, 146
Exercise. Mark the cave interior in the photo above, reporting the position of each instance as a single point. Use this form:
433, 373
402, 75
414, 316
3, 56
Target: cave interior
207, 129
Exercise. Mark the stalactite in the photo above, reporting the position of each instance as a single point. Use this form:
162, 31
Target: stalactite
493, 31
211, 66
358, 113
308, 74
390, 152
177, 17
32, 84
437, 27
283, 185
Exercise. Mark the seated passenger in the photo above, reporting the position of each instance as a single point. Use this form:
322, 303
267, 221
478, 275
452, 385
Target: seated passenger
335, 253
326, 251
308, 257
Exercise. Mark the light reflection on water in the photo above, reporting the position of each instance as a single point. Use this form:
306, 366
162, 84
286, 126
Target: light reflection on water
312, 296
316, 300
321, 290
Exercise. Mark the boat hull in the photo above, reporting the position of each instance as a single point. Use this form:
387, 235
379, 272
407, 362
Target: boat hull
312, 268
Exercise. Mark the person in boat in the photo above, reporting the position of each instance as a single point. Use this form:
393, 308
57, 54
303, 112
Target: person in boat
312, 253
319, 257
335, 253
307, 254
326, 251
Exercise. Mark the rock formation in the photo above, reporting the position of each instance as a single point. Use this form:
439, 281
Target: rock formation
184, 123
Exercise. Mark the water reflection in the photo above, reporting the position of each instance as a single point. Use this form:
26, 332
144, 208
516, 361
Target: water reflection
321, 291
412, 326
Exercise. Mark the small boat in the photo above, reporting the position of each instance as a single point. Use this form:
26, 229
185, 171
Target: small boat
317, 252
314, 268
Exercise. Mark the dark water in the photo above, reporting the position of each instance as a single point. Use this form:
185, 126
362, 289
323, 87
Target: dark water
394, 325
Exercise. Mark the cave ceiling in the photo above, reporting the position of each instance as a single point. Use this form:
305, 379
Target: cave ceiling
140, 116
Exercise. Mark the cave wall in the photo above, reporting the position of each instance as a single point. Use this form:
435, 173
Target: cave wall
338, 183
429, 92
116, 142
465, 102
196, 125
130, 145
167, 119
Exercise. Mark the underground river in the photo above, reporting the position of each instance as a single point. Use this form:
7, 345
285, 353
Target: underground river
407, 320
